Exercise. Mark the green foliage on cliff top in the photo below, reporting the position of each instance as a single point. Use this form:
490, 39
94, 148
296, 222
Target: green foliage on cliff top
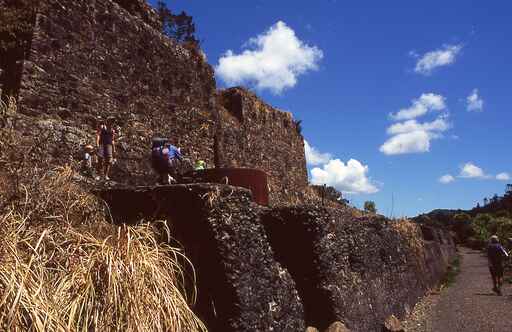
180, 27
369, 206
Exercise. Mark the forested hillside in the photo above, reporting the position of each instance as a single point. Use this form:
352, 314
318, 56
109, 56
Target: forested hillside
474, 227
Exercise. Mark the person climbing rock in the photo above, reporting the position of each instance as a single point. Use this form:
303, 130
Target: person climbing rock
165, 160
105, 142
496, 254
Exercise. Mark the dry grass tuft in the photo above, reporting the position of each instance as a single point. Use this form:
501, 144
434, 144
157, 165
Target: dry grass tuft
63, 267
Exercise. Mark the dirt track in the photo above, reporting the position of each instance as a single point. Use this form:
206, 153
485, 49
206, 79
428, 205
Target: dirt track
469, 305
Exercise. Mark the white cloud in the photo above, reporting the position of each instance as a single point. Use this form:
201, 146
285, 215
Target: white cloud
503, 177
438, 58
421, 106
348, 178
413, 137
440, 124
413, 142
273, 60
315, 157
445, 179
470, 170
474, 102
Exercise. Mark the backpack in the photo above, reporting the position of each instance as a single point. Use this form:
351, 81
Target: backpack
495, 253
106, 135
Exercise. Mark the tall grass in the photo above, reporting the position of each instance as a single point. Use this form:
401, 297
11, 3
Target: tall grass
64, 267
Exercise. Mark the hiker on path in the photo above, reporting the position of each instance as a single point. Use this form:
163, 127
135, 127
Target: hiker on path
165, 160
105, 142
496, 254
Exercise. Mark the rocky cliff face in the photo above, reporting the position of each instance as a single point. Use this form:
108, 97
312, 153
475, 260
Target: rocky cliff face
92, 59
358, 270
87, 60
259, 269
281, 269
141, 9
241, 287
254, 134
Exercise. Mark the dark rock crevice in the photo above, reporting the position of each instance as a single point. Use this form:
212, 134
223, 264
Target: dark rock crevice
17, 21
187, 216
240, 286
292, 239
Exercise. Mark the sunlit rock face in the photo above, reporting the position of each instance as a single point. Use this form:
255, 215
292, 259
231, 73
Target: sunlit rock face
295, 266
90, 60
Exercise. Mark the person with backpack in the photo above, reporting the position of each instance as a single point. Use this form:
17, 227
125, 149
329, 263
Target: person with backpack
165, 159
496, 254
105, 142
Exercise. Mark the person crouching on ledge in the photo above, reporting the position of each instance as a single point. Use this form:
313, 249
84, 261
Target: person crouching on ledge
105, 142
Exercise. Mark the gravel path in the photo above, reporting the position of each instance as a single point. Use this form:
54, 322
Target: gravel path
469, 305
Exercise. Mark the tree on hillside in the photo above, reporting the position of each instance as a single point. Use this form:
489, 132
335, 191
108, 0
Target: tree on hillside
179, 27
369, 206
462, 218
462, 226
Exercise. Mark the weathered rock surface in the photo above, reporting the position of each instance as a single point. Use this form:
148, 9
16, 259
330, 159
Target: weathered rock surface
290, 267
259, 269
104, 58
141, 9
253, 134
93, 59
359, 270
240, 285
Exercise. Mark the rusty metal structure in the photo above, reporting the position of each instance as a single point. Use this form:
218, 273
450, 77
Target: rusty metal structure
255, 180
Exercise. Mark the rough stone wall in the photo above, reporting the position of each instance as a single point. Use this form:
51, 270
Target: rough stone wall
355, 270
240, 285
106, 58
91, 59
285, 268
16, 25
142, 10
253, 134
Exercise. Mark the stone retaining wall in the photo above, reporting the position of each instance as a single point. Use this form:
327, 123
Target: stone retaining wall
285, 268
240, 285
254, 134
86, 60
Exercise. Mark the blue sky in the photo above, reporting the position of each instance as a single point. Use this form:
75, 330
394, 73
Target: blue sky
359, 74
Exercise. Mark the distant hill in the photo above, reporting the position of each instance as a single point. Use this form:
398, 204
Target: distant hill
473, 227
